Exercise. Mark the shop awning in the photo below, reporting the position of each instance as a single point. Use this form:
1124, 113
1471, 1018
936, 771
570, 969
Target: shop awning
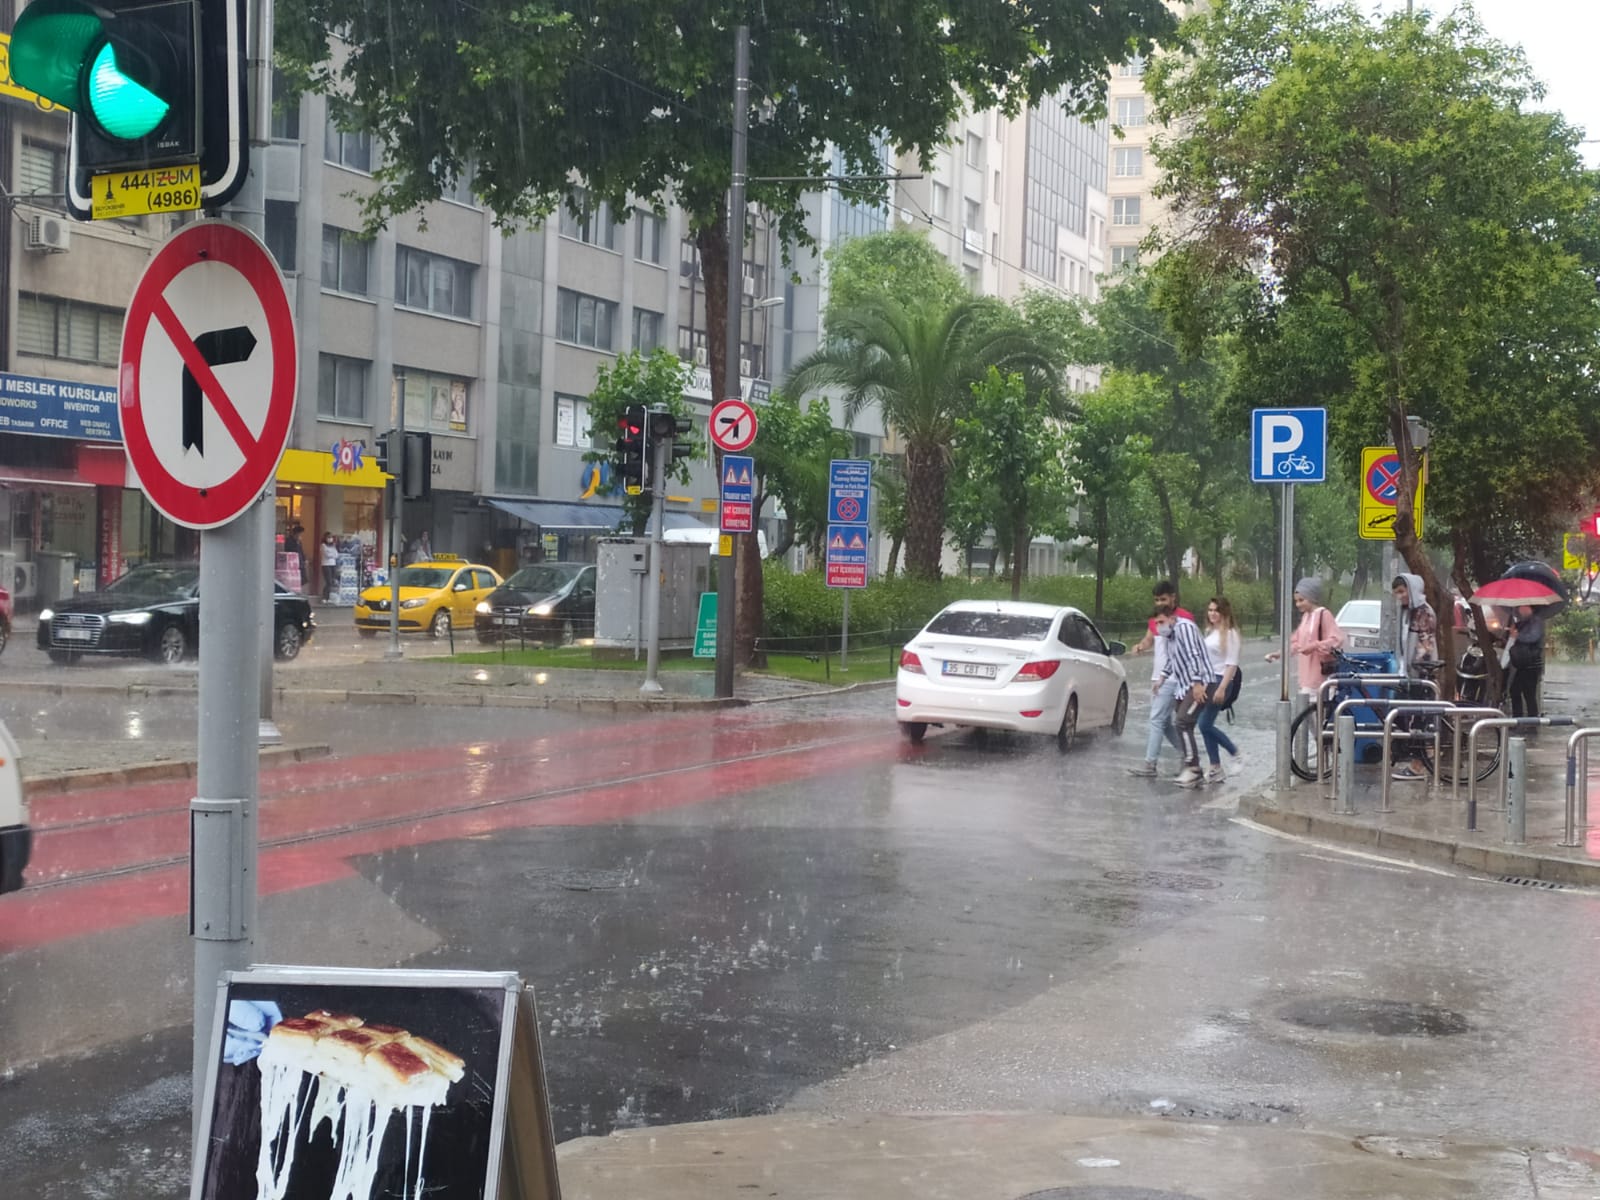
324, 467
557, 515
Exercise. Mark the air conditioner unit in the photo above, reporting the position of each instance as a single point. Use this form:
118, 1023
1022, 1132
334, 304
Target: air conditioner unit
24, 581
699, 356
744, 368
48, 234
749, 285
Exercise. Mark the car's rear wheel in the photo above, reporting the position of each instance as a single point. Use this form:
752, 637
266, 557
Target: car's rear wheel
1119, 715
1068, 733
440, 626
172, 646
288, 641
914, 731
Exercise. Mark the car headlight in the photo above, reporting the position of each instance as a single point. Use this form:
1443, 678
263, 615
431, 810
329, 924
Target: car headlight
417, 603
46, 614
133, 618
483, 607
542, 610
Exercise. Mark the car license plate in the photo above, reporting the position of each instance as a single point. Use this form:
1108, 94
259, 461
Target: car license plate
970, 670
74, 635
508, 620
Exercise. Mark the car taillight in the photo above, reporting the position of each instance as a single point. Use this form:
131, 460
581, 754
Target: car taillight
1033, 672
910, 662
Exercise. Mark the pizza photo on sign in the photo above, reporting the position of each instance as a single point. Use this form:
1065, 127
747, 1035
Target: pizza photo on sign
354, 1093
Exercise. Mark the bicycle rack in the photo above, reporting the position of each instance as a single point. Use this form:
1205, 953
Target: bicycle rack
1578, 786
1501, 725
1458, 739
1327, 729
1342, 709
1416, 708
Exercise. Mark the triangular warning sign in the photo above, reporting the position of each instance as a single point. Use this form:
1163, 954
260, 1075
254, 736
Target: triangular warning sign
857, 544
837, 543
744, 477
730, 477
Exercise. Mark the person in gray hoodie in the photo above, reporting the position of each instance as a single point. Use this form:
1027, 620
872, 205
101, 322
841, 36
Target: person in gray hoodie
1418, 630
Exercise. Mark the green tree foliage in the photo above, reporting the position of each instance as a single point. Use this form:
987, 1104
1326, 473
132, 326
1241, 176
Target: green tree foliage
792, 455
899, 263
1429, 239
1108, 449
656, 381
1012, 441
917, 364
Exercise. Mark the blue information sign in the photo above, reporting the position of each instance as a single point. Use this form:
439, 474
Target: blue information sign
1289, 445
59, 408
738, 493
849, 497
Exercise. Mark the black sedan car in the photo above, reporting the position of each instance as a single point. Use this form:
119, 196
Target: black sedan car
154, 610
551, 602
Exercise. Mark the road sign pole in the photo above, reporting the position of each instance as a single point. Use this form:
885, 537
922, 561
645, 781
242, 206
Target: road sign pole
659, 449
397, 524
234, 687
844, 635
1285, 713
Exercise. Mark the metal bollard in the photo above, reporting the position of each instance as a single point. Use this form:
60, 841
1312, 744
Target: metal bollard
1577, 822
1345, 781
1517, 794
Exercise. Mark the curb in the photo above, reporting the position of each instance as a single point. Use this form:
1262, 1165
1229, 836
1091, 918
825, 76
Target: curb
1469, 856
71, 781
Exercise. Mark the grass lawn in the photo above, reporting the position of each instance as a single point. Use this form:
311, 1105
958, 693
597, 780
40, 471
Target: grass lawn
864, 665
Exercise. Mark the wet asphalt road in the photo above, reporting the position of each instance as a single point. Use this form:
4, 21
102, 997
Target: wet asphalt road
982, 924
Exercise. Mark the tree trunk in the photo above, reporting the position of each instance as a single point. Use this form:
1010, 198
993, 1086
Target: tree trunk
894, 556
1102, 530
1019, 553
925, 488
1169, 534
1409, 546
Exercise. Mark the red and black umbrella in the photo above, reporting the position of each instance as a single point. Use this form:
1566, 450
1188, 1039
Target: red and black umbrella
1513, 593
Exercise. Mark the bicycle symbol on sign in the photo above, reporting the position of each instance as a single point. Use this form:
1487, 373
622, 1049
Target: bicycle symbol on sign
1296, 464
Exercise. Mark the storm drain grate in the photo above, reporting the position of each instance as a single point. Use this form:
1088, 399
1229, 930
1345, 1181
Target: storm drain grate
1106, 1193
1523, 881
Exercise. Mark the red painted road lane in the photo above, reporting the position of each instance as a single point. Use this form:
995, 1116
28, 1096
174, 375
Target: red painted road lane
41, 917
354, 798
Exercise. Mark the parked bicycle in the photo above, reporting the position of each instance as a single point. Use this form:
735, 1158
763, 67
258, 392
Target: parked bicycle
1306, 740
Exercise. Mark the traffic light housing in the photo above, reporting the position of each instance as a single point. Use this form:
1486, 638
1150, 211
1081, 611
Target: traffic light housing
664, 426
151, 84
416, 466
631, 458
380, 452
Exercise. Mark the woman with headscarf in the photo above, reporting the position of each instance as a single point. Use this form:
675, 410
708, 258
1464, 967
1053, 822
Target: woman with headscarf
1314, 640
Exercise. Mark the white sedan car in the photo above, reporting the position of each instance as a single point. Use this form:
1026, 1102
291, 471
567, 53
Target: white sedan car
1001, 664
1362, 623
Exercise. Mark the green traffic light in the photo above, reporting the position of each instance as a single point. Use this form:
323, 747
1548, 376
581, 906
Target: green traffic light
123, 107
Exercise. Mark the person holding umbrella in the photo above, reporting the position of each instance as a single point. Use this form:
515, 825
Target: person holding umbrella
1525, 642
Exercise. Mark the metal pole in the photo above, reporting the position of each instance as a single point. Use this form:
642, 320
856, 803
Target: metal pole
265, 515
652, 585
1286, 601
1345, 778
397, 525
727, 593
1517, 794
844, 635
222, 816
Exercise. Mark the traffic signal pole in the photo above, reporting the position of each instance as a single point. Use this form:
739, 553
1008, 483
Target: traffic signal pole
235, 607
727, 592
660, 449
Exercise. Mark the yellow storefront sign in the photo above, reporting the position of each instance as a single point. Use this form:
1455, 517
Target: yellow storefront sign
319, 467
1380, 486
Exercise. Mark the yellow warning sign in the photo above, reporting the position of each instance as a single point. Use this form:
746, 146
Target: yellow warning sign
1380, 487
136, 193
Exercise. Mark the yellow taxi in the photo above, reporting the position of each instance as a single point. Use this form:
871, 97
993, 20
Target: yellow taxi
434, 595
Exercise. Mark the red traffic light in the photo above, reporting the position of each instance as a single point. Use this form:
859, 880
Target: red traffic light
1592, 528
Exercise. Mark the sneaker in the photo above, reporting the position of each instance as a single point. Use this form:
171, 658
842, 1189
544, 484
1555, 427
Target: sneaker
1146, 770
1188, 777
1408, 771
1214, 773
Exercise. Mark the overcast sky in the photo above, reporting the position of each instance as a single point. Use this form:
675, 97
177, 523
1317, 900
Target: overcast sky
1559, 38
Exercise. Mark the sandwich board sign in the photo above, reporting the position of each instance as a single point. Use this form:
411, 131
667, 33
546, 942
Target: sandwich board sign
361, 1083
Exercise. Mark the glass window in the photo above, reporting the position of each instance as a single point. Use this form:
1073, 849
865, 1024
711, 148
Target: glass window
1133, 68
353, 150
459, 189
433, 283
281, 233
646, 330
42, 169
586, 320
285, 109
1124, 256
986, 623
1128, 162
345, 257
592, 225
974, 215
1130, 111
974, 150
342, 388
572, 422
432, 401
941, 201
55, 328
1125, 210
649, 235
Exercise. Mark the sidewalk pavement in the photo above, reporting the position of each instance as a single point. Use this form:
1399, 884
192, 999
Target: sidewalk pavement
1001, 1156
1431, 824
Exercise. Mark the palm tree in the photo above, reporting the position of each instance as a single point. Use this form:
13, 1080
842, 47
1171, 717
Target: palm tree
918, 364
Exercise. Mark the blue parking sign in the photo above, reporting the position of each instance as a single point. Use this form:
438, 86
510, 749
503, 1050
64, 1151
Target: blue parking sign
1289, 445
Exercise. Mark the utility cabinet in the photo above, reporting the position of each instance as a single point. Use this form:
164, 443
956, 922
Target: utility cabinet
621, 571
